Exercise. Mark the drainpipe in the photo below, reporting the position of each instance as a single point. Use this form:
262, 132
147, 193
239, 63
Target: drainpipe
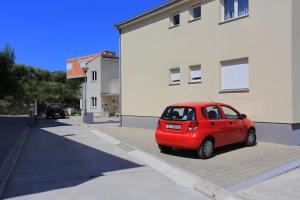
120, 79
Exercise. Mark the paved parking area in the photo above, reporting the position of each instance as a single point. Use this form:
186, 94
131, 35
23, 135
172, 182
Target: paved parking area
231, 165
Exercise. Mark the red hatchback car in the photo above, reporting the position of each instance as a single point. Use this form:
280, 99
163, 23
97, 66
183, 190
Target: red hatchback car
203, 127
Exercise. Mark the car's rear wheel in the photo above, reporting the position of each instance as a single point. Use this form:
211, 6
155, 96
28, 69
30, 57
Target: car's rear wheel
206, 150
251, 138
164, 149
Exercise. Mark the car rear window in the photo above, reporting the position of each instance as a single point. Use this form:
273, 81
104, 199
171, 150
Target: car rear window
179, 114
53, 106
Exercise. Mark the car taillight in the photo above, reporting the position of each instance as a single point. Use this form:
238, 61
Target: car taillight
159, 124
193, 126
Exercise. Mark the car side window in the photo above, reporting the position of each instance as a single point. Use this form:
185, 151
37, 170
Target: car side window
230, 113
213, 112
203, 111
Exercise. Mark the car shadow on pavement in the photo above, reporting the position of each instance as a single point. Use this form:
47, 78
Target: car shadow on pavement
52, 159
187, 153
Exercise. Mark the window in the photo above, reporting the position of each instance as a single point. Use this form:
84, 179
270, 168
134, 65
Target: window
195, 74
94, 102
235, 75
214, 112
235, 8
175, 20
179, 114
230, 113
69, 66
203, 111
175, 76
82, 64
195, 12
243, 7
94, 76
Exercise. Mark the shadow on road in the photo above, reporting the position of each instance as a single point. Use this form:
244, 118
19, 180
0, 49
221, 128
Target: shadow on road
52, 160
11, 127
186, 153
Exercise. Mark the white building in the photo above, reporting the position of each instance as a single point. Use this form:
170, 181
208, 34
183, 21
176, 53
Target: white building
102, 81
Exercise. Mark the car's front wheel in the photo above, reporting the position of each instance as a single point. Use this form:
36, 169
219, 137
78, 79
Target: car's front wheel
206, 150
164, 149
251, 138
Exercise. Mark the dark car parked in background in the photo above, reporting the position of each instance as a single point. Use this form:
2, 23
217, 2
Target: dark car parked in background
55, 110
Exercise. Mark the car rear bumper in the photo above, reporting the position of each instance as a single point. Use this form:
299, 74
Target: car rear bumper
185, 141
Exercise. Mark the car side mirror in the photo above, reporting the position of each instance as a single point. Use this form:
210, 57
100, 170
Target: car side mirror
243, 116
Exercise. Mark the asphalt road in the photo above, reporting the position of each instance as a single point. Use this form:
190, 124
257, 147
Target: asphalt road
64, 161
11, 127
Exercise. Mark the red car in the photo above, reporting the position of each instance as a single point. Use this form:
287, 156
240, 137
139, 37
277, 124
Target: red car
203, 127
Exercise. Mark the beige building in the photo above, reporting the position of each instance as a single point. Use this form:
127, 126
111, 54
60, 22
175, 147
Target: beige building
242, 52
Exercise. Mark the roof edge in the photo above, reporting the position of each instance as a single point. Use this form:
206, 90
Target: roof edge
146, 13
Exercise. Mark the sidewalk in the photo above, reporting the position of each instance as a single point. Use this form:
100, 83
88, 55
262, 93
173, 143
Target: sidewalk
235, 168
283, 187
69, 161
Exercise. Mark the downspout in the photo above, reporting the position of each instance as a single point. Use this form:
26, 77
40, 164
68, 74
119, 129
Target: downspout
120, 78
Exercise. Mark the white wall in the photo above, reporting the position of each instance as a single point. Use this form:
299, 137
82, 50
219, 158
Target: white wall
110, 76
94, 88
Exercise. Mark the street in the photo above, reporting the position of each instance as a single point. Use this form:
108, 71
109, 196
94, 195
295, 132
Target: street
11, 127
66, 161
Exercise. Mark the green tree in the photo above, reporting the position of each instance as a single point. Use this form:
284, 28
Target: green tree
22, 84
7, 60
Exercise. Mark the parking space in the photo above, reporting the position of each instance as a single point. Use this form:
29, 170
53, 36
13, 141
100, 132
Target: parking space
230, 166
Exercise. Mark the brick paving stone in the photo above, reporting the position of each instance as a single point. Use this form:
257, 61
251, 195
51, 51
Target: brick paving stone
230, 166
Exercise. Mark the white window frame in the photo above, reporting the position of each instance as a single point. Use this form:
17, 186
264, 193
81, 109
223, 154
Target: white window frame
172, 24
175, 76
94, 102
235, 75
236, 11
192, 18
94, 76
193, 78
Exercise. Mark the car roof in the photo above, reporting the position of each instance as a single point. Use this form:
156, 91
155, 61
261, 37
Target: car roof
196, 104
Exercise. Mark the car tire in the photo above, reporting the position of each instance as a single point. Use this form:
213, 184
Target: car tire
164, 149
206, 150
251, 138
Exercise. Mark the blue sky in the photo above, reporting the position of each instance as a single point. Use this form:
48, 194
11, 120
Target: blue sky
44, 33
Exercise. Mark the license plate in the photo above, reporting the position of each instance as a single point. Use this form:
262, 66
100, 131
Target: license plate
173, 126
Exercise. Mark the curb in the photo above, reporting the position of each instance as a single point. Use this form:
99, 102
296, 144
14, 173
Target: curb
178, 175
10, 162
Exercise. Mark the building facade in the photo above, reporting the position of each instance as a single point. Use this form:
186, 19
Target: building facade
242, 52
102, 82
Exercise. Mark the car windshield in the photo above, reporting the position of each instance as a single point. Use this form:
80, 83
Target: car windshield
56, 105
179, 114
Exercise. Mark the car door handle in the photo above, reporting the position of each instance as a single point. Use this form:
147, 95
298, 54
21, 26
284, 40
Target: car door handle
230, 123
212, 123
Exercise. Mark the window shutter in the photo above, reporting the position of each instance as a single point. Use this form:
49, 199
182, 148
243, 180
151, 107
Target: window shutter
235, 75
